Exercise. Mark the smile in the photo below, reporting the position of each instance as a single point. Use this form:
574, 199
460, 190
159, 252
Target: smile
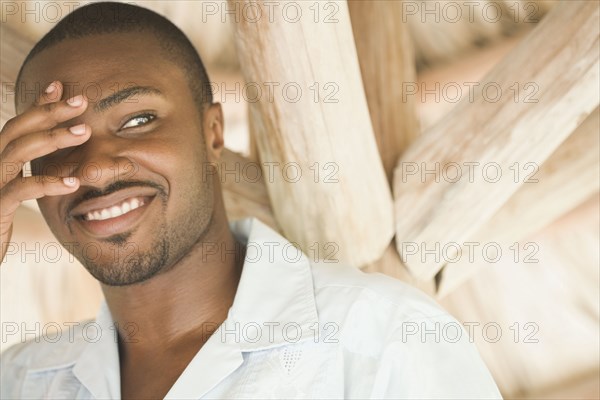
115, 211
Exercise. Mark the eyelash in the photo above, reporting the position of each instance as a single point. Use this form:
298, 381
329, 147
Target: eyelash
150, 117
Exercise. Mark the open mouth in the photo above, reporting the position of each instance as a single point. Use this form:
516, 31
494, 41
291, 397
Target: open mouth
113, 214
116, 210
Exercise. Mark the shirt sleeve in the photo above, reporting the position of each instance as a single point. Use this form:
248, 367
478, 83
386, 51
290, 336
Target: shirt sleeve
432, 358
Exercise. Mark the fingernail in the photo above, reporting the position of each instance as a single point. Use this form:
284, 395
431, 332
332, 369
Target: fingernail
51, 88
70, 181
75, 101
77, 129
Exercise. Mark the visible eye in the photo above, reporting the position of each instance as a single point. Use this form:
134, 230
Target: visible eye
138, 120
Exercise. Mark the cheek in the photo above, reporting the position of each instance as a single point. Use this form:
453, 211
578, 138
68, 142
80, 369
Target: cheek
182, 158
46, 204
179, 165
53, 164
48, 207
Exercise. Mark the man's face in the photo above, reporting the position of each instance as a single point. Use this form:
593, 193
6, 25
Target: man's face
145, 198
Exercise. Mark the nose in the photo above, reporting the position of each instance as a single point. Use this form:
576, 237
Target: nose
102, 160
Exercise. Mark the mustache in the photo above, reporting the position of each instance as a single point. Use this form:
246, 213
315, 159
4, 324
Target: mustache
115, 187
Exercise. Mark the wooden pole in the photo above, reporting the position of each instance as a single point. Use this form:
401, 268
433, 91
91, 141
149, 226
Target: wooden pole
330, 191
569, 177
247, 195
520, 113
13, 48
253, 148
387, 64
390, 264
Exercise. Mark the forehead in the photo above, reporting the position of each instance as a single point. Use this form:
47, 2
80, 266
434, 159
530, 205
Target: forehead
99, 65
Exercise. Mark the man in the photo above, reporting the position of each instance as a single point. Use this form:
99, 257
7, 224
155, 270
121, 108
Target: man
179, 321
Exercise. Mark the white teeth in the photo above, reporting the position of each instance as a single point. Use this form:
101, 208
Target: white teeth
114, 211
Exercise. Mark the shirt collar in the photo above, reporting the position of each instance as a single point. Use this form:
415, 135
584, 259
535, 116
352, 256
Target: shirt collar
275, 302
275, 292
274, 305
98, 365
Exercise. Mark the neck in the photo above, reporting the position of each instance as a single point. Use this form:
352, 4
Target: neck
184, 304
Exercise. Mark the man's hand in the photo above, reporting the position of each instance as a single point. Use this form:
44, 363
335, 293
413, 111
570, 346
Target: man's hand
31, 135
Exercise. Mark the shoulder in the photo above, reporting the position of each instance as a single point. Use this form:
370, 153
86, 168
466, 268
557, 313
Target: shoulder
372, 312
352, 287
415, 348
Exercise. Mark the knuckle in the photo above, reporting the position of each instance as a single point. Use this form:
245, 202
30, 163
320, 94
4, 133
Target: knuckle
9, 150
12, 159
50, 110
51, 135
41, 183
39, 100
48, 184
7, 190
49, 107
52, 138
9, 125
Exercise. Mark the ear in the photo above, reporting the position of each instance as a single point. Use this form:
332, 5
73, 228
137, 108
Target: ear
213, 126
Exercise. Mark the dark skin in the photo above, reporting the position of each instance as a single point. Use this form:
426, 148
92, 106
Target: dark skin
173, 308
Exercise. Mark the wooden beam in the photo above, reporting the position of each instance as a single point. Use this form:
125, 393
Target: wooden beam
441, 37
557, 77
469, 68
583, 386
390, 264
252, 146
13, 50
461, 72
316, 124
245, 195
556, 297
387, 64
569, 177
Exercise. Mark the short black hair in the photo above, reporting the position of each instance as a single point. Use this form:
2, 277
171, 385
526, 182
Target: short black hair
112, 17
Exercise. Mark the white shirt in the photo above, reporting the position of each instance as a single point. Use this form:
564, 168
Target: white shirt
296, 329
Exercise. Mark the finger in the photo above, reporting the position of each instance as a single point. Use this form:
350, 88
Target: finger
51, 94
42, 117
34, 187
39, 144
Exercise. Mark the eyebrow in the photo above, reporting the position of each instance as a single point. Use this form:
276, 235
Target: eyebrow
123, 95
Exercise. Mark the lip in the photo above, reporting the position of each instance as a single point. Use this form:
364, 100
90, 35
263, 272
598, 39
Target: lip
116, 225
